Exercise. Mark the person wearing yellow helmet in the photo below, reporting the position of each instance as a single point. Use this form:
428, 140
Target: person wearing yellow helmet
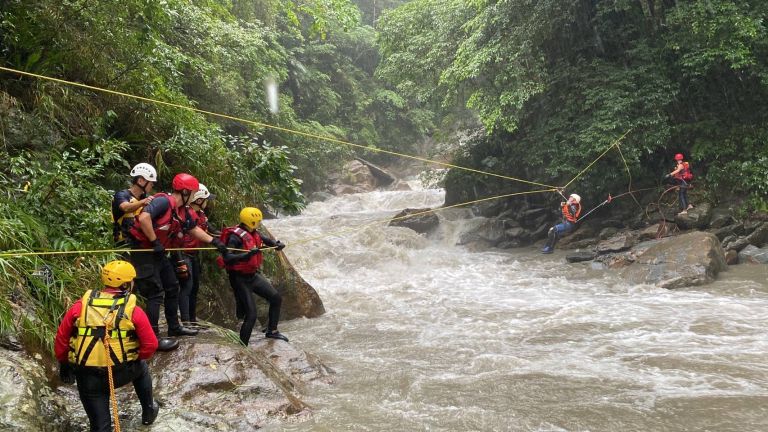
108, 315
571, 210
244, 270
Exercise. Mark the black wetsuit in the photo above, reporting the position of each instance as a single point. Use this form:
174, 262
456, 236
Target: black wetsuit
245, 285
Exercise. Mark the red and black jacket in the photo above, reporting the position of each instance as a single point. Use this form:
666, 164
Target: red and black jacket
169, 226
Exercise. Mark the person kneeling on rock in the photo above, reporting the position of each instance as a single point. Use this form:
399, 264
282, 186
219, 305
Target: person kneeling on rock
108, 318
244, 272
571, 210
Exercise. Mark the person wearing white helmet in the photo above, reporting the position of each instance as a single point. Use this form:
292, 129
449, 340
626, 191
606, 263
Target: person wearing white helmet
571, 210
189, 280
127, 203
161, 225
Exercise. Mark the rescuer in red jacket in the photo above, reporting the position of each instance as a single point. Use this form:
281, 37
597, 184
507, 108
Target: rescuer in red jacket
109, 314
245, 276
162, 224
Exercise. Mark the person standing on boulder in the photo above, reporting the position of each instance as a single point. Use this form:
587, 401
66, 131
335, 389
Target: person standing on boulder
244, 270
191, 284
571, 210
127, 203
101, 318
162, 224
682, 177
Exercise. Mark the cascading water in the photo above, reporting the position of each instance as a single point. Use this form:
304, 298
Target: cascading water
426, 335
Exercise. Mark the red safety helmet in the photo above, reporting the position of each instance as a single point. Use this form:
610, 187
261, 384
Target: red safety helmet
185, 181
679, 157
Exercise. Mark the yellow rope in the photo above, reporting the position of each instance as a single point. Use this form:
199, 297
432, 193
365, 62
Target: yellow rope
265, 125
108, 349
301, 241
359, 227
95, 251
615, 143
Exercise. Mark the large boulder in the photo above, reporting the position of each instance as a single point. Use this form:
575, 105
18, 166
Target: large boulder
27, 402
686, 260
490, 232
575, 257
210, 383
731, 230
300, 300
721, 217
355, 177
383, 178
735, 243
213, 383
753, 255
695, 218
582, 232
419, 220
759, 236
620, 242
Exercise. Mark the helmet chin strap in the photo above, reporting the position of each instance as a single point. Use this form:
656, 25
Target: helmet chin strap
146, 183
186, 194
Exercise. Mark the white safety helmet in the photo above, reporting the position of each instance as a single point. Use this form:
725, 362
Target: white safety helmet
575, 198
145, 171
202, 192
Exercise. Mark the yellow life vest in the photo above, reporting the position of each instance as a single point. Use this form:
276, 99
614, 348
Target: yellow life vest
102, 313
125, 219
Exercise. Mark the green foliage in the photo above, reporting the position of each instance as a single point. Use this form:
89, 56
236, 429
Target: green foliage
66, 150
554, 83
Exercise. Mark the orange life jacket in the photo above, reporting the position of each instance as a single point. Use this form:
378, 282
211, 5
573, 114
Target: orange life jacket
167, 227
247, 266
685, 173
567, 212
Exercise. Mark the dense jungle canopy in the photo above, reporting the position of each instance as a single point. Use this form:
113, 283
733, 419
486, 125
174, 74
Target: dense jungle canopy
541, 87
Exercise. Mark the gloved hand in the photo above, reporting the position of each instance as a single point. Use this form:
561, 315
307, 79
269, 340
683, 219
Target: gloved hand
219, 245
158, 247
182, 270
254, 251
279, 245
66, 373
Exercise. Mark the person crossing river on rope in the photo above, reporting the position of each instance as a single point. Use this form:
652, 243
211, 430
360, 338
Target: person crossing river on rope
571, 211
245, 276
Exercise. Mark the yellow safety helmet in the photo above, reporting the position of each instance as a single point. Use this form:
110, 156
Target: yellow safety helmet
250, 217
116, 273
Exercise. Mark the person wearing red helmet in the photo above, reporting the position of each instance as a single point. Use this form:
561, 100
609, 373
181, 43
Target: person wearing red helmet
682, 176
162, 224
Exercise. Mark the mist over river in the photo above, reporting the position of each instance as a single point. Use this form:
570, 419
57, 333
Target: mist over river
425, 335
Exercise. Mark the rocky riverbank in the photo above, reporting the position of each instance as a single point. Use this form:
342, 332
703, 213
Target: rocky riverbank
210, 382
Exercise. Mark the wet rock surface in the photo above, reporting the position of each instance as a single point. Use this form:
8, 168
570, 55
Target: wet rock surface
422, 222
27, 402
575, 257
685, 260
210, 383
753, 255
